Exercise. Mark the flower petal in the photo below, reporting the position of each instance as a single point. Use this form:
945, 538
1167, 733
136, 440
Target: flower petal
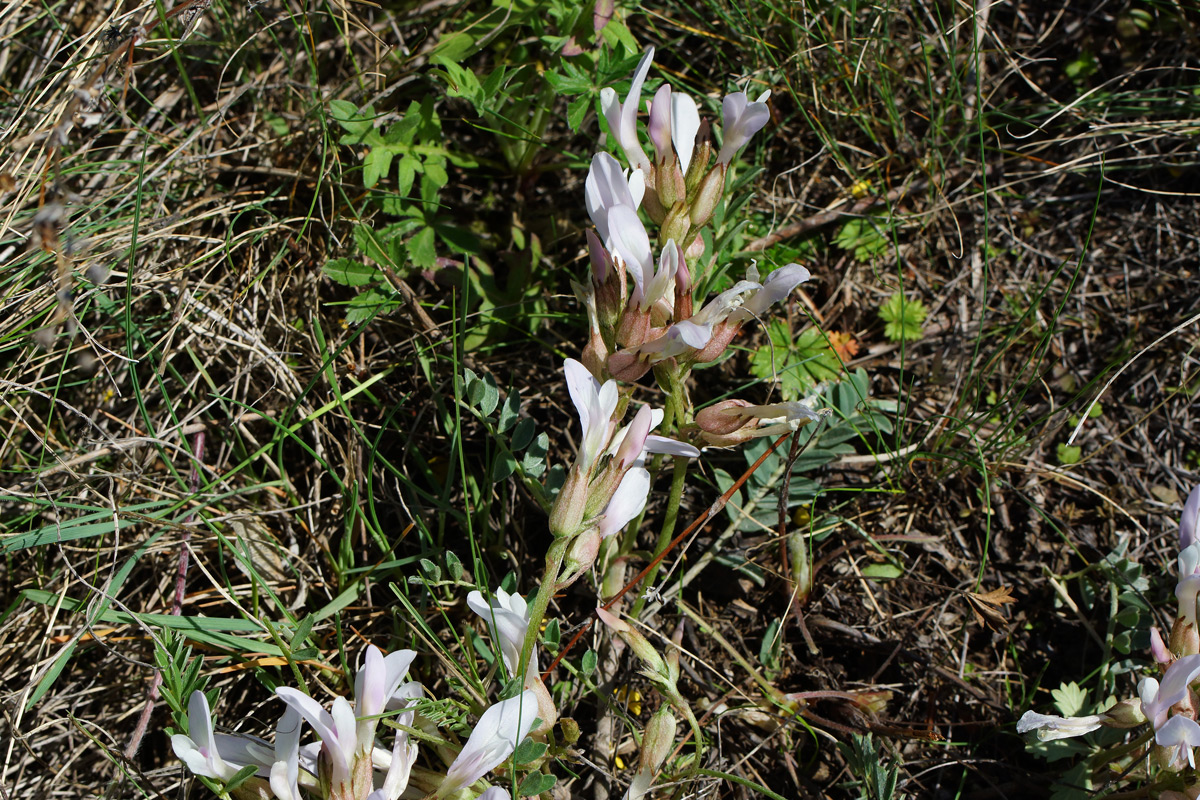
685, 124
627, 501
496, 736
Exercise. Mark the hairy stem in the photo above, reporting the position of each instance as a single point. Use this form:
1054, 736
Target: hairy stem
537, 611
668, 529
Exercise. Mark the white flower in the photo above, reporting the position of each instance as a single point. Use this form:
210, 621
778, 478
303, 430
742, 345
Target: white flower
595, 405
1179, 734
285, 771
608, 186
685, 124
507, 617
1050, 727
404, 750
778, 285
495, 793
627, 502
217, 755
347, 737
337, 730
674, 113
1157, 699
741, 119
496, 736
622, 118
374, 685
1187, 522
632, 245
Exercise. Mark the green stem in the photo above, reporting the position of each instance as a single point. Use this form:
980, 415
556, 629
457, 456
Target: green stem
668, 528
554, 559
694, 724
758, 787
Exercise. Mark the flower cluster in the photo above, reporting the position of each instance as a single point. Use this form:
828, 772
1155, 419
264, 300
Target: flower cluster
1171, 706
608, 483
640, 306
642, 316
346, 762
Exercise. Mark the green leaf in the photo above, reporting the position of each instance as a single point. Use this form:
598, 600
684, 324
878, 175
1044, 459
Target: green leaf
454, 566
534, 462
454, 46
1069, 454
863, 237
484, 394
376, 164
406, 172
552, 636
576, 110
209, 630
302, 631
502, 467
95, 523
370, 244
535, 783
529, 750
494, 82
435, 172
421, 248
509, 412
349, 272
903, 317
348, 116
367, 305
523, 434
800, 363
1070, 699
244, 774
588, 664
883, 571
431, 570
461, 82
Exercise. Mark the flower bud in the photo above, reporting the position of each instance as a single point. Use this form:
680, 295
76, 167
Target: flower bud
608, 282
656, 668
253, 789
676, 225
651, 203
634, 327
871, 702
723, 418
546, 710
1184, 640
580, 557
570, 730
722, 335
627, 366
1125, 714
698, 167
566, 517
709, 193
658, 740
1158, 647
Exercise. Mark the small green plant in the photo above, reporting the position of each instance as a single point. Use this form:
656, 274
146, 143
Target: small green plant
1068, 454
416, 145
800, 363
904, 318
877, 772
863, 237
